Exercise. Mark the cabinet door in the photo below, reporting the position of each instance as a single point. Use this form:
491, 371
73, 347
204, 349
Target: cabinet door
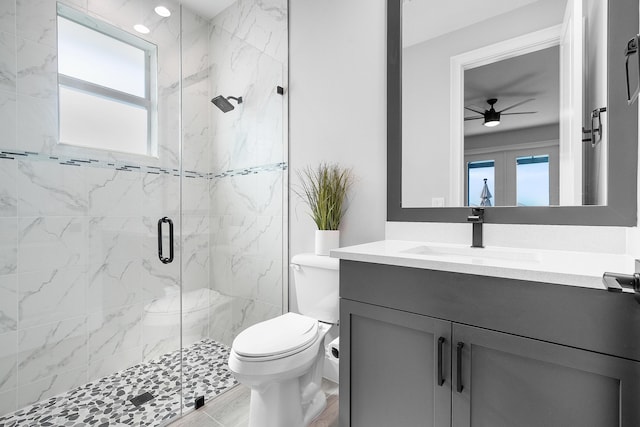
389, 368
512, 381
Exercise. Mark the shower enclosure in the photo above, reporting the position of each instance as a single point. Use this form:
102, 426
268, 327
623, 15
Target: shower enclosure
141, 228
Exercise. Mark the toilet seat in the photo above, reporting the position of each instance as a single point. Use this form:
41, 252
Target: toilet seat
276, 338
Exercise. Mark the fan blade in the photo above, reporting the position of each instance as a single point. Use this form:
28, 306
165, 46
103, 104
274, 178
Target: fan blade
473, 118
474, 110
512, 114
517, 105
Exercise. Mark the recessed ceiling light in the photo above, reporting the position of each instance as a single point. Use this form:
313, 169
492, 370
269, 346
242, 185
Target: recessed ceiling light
163, 11
141, 29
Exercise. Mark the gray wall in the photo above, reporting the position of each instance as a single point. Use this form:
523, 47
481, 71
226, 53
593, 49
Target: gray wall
519, 136
338, 110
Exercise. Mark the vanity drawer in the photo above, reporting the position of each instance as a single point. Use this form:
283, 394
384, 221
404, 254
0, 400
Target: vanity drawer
584, 318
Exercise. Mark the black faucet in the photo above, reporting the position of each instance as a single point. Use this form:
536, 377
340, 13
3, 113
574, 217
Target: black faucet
477, 218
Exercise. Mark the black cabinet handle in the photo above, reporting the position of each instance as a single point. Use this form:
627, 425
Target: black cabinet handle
459, 386
160, 251
441, 341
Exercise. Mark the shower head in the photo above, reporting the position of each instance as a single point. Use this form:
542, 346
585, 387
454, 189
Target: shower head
223, 102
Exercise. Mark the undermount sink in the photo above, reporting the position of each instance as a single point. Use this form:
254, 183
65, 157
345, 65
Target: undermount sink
498, 254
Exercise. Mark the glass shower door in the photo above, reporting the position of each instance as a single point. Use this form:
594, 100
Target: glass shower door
234, 211
204, 372
89, 313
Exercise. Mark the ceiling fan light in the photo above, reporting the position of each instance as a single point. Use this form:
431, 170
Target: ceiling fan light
491, 117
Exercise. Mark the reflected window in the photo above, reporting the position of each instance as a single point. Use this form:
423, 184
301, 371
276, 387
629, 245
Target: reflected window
532, 180
480, 178
106, 85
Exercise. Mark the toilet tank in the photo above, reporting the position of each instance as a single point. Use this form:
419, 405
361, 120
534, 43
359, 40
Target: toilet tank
316, 281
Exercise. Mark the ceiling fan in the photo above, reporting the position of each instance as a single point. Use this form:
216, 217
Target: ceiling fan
491, 116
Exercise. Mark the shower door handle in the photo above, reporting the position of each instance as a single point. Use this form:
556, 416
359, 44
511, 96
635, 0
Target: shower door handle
163, 259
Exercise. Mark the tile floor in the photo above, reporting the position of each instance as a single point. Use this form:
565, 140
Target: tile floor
106, 402
231, 409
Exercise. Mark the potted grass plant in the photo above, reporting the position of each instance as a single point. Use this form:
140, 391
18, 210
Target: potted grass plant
324, 190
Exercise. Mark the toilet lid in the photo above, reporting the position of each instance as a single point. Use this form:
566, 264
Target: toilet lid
283, 334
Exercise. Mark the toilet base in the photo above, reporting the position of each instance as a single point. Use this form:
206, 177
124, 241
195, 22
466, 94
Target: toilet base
315, 408
279, 404
276, 404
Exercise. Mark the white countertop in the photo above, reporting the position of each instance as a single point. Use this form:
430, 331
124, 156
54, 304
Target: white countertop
583, 269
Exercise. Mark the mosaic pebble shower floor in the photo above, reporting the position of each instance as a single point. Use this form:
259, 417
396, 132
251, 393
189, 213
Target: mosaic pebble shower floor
106, 402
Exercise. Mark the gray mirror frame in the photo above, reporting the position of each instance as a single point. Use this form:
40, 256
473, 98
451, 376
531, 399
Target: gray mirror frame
623, 136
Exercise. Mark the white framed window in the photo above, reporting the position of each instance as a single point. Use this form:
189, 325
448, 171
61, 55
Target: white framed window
479, 173
107, 86
532, 180
517, 175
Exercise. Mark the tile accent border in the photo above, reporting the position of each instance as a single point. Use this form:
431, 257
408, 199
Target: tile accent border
252, 170
133, 167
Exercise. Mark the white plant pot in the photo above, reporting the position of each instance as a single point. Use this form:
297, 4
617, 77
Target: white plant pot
327, 240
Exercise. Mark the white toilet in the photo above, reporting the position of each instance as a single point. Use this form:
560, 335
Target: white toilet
282, 359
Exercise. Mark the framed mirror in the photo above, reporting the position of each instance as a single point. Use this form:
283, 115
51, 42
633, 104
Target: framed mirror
516, 105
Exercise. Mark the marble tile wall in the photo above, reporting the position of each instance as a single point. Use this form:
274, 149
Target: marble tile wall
82, 293
78, 245
248, 55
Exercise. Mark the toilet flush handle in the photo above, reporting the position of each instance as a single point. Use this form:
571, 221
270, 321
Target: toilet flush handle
296, 267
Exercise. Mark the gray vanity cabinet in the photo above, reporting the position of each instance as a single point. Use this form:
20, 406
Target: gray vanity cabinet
509, 381
511, 353
395, 379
